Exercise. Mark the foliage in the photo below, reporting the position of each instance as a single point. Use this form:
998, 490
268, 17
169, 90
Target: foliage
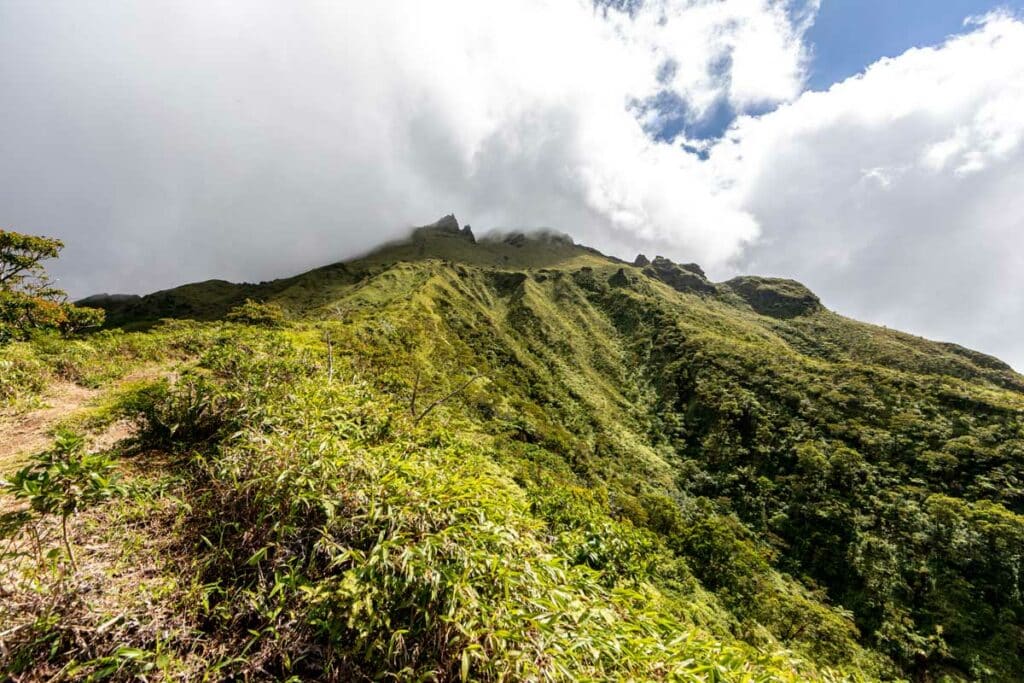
647, 483
28, 300
20, 261
256, 313
64, 479
190, 415
349, 547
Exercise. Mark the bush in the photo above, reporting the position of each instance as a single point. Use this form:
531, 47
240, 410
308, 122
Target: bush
64, 479
180, 416
391, 557
260, 314
21, 374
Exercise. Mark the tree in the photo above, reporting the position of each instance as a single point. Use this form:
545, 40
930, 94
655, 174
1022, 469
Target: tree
259, 314
21, 258
28, 299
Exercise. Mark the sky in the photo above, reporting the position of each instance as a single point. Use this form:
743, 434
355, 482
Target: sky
873, 150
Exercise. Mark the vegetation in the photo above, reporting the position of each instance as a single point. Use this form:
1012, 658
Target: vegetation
520, 460
256, 313
65, 479
28, 299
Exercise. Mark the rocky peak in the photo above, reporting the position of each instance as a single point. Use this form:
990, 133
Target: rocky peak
447, 226
541, 236
694, 268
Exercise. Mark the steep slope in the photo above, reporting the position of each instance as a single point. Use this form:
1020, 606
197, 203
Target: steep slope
779, 474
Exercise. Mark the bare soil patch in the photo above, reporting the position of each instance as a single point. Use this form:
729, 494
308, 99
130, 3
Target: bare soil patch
29, 432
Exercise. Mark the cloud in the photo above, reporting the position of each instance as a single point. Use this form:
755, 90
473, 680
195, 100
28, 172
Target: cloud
183, 140
897, 194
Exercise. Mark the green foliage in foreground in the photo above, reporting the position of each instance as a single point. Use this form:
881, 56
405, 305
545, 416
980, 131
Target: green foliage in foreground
256, 313
616, 479
340, 531
63, 480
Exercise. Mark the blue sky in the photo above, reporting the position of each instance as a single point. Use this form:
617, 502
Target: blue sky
846, 37
849, 35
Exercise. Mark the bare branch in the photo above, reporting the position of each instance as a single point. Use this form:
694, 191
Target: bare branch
415, 391
441, 400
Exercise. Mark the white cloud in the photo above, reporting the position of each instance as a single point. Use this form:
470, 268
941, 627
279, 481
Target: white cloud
899, 194
747, 52
244, 140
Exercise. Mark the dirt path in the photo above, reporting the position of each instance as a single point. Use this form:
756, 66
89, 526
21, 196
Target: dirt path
29, 432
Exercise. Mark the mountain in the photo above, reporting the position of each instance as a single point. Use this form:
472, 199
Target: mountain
515, 458
785, 308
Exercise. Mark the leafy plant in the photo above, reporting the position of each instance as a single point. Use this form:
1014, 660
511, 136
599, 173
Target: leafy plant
65, 479
256, 313
656, 481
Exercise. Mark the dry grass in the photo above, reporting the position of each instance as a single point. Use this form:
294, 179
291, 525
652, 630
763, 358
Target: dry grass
23, 433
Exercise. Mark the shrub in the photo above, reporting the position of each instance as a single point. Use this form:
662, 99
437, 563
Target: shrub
180, 416
64, 479
260, 314
28, 301
21, 374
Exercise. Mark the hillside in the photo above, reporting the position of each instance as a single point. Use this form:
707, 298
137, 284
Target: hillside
515, 458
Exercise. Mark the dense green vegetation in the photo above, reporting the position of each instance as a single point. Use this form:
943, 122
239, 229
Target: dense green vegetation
519, 459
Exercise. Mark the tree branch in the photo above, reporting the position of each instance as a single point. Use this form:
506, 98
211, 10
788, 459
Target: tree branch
444, 398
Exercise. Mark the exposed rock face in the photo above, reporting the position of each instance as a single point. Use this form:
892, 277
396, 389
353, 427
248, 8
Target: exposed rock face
775, 297
694, 268
542, 236
641, 261
516, 239
447, 226
689, 278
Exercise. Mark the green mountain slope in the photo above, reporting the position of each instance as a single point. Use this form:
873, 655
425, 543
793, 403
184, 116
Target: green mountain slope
516, 458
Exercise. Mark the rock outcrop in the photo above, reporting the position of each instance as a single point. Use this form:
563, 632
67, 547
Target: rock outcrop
447, 226
775, 297
682, 278
619, 278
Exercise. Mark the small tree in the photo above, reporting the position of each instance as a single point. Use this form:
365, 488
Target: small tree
28, 299
259, 314
65, 479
